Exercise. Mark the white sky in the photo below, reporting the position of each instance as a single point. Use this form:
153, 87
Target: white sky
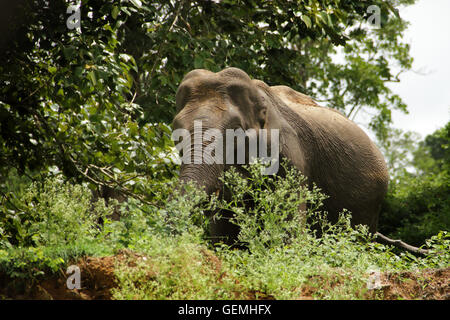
427, 96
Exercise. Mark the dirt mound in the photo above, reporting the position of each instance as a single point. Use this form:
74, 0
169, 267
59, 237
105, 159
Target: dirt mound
98, 279
427, 284
431, 284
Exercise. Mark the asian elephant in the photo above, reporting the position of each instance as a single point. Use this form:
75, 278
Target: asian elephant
329, 149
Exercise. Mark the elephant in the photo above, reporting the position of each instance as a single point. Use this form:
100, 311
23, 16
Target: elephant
330, 150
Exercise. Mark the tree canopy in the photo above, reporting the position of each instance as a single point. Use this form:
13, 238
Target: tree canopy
96, 102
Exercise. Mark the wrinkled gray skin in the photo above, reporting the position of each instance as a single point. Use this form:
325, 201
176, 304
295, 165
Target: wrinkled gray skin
329, 149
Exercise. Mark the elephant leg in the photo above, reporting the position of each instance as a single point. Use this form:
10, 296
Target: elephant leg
367, 217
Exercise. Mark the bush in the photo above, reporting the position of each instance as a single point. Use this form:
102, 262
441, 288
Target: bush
283, 252
53, 212
417, 208
47, 224
272, 218
179, 215
417, 205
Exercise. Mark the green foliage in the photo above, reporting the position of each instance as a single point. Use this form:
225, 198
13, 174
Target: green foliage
397, 150
68, 102
84, 111
52, 212
279, 42
272, 219
433, 154
282, 254
58, 219
171, 268
170, 258
354, 78
285, 254
180, 215
417, 206
96, 103
47, 224
28, 263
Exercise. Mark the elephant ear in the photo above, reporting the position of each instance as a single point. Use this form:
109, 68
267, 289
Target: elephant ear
271, 118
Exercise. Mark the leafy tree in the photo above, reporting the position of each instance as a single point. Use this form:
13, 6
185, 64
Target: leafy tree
281, 42
67, 100
398, 151
433, 154
417, 205
96, 104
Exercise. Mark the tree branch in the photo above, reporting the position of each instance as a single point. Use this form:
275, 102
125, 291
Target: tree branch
117, 185
400, 244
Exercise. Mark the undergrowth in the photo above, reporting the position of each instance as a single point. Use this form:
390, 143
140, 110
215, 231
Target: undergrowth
55, 223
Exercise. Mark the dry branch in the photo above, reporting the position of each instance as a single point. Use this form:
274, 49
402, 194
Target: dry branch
400, 244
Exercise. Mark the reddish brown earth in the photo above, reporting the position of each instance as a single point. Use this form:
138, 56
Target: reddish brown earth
98, 279
431, 284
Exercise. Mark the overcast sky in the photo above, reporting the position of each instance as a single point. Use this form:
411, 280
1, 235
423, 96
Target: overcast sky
427, 96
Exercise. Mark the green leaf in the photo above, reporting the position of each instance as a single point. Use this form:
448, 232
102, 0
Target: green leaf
324, 17
198, 62
78, 71
91, 76
115, 12
306, 20
54, 107
137, 3
52, 69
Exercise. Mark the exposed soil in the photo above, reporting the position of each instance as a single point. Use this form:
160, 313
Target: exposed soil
98, 279
431, 284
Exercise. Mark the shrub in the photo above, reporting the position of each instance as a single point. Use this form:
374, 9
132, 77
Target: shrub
51, 222
283, 252
417, 208
273, 217
417, 205
171, 258
54, 212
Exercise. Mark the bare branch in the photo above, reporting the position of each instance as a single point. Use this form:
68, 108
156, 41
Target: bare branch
400, 244
117, 185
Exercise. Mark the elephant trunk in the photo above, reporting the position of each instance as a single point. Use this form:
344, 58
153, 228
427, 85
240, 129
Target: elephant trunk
203, 169
206, 176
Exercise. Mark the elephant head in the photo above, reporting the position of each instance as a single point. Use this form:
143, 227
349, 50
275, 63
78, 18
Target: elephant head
223, 120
